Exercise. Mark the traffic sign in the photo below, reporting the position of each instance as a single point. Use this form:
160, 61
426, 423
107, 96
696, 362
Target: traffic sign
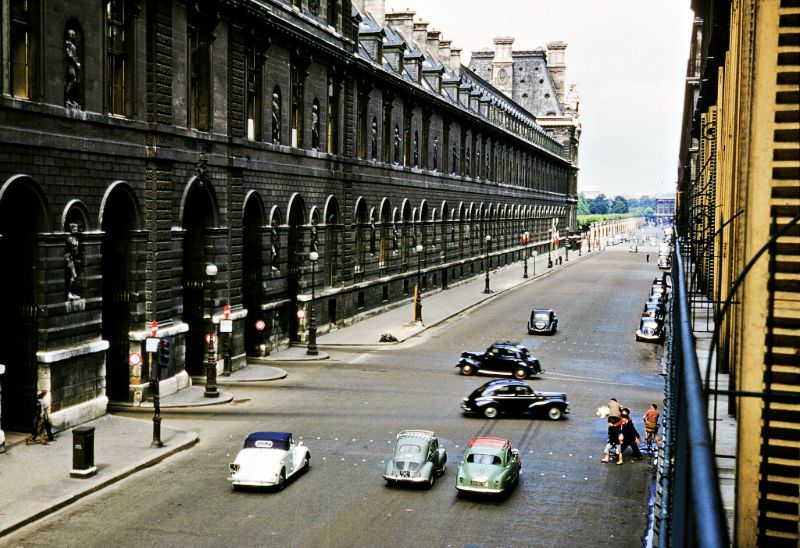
260, 325
154, 329
134, 358
301, 313
211, 338
151, 344
226, 326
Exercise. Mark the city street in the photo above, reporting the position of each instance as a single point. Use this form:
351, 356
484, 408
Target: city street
348, 409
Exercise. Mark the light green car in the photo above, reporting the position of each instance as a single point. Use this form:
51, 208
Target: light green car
489, 466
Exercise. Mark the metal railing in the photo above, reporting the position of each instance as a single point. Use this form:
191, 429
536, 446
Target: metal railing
691, 512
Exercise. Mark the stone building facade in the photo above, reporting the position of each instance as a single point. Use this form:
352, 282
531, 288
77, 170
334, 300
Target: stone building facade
144, 140
535, 80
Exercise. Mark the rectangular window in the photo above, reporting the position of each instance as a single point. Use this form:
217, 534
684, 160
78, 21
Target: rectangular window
253, 68
19, 26
117, 78
199, 77
333, 116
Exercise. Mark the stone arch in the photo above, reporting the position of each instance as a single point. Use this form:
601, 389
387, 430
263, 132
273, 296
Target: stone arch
333, 251
23, 216
198, 214
121, 250
253, 266
295, 256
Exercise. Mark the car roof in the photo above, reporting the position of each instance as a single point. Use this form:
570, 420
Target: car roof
425, 434
268, 440
486, 441
505, 342
542, 309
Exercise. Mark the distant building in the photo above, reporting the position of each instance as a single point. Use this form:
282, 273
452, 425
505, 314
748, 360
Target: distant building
534, 79
665, 210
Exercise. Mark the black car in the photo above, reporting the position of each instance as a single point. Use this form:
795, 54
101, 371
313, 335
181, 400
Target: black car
542, 320
501, 358
511, 397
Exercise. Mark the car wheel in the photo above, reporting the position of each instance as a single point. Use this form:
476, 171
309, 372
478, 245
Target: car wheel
282, 479
467, 369
306, 463
554, 413
429, 484
490, 412
520, 373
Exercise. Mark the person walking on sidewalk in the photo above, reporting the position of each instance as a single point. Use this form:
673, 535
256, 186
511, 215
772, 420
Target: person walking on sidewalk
41, 421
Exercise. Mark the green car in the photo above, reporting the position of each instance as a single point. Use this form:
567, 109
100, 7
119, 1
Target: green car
490, 465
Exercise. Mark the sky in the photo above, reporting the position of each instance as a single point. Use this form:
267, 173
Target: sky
628, 59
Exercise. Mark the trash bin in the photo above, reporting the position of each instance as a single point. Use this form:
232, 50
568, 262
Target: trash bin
83, 452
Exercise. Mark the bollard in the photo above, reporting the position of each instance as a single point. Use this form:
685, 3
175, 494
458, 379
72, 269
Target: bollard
83, 452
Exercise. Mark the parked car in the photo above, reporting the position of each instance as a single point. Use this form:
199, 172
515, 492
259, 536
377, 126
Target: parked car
268, 459
654, 310
664, 262
650, 330
500, 359
417, 458
512, 397
490, 466
543, 320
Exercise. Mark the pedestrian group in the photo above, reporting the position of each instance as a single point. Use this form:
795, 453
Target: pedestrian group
622, 433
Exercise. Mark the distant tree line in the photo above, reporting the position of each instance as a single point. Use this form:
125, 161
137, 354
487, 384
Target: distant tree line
601, 205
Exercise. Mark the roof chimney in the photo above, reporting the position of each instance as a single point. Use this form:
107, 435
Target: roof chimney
401, 21
556, 65
444, 52
433, 43
503, 65
421, 34
455, 60
377, 9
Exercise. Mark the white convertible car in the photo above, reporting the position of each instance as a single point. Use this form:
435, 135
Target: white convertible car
268, 459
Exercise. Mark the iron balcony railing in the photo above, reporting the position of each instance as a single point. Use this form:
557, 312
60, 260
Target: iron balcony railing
691, 511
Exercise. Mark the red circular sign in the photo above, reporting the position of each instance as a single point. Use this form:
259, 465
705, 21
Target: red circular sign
211, 338
301, 313
260, 325
134, 358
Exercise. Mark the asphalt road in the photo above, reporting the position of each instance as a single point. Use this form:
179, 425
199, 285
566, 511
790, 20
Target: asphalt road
348, 410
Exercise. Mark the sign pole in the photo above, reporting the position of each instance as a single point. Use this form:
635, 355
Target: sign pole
151, 345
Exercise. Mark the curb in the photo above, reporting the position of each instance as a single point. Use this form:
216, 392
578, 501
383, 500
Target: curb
54, 507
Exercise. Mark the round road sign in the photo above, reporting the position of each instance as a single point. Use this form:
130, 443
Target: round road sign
260, 325
211, 338
135, 358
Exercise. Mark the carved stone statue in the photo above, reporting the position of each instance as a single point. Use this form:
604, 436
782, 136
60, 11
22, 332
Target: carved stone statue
275, 248
435, 153
374, 140
372, 236
396, 145
468, 165
416, 151
313, 244
73, 261
315, 126
72, 79
395, 237
276, 118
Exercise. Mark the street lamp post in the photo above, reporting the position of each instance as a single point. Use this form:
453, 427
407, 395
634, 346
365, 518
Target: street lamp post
312, 328
488, 241
211, 390
418, 303
525, 238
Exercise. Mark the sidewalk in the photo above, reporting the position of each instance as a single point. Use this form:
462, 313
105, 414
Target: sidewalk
35, 480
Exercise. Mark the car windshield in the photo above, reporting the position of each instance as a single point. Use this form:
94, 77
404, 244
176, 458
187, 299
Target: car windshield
409, 450
479, 458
